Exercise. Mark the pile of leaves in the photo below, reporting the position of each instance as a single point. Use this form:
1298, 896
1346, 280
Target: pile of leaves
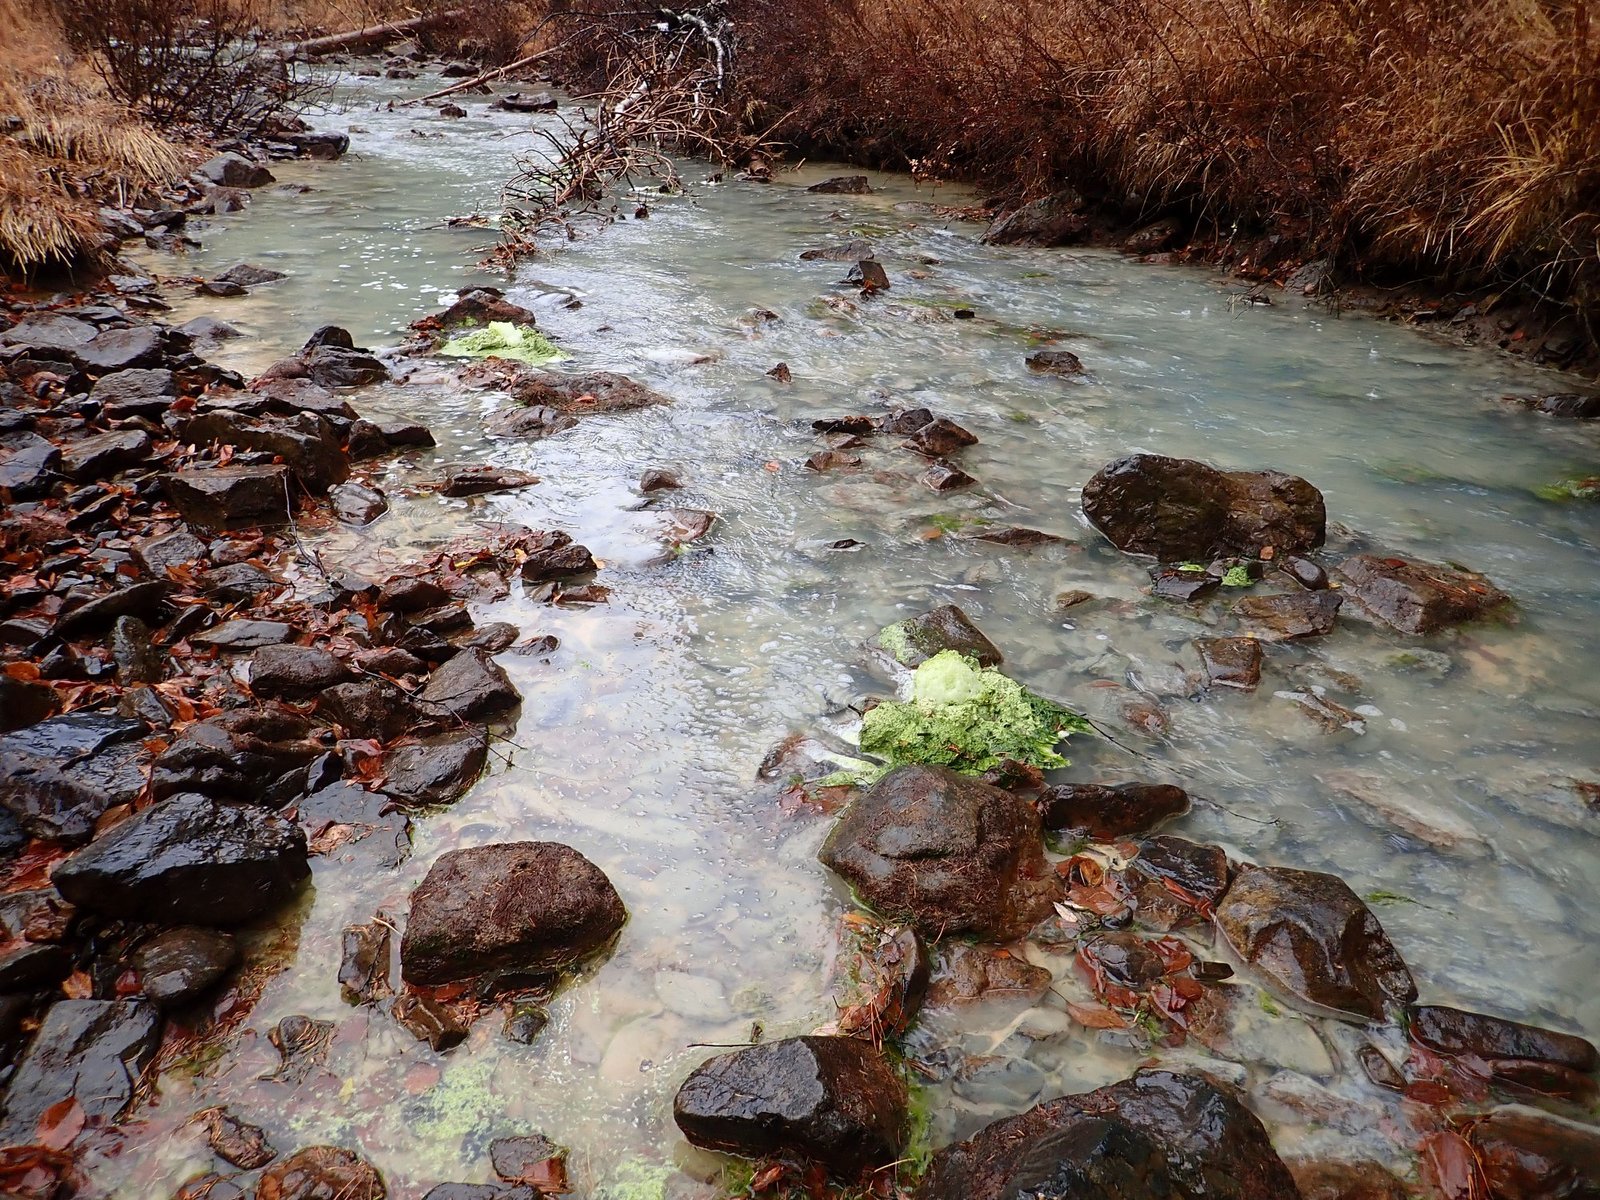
970, 719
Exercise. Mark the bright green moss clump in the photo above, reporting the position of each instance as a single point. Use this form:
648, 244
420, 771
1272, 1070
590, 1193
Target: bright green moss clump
502, 339
969, 719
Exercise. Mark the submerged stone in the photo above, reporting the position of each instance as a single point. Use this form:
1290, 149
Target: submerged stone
1231, 662
831, 1100
321, 1173
1418, 597
1292, 615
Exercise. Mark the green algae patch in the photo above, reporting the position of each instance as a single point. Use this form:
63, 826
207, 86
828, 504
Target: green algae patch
502, 339
1571, 489
636, 1179
969, 719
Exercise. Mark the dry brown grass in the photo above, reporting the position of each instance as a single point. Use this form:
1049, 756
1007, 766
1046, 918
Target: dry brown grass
1456, 137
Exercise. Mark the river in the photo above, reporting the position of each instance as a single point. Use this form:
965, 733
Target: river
640, 737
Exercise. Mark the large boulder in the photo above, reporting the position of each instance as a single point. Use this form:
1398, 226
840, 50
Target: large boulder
831, 1100
944, 852
189, 861
515, 907
305, 441
1156, 1135
1526, 1155
1418, 597
1056, 220
94, 1051
1179, 509
1314, 938
915, 640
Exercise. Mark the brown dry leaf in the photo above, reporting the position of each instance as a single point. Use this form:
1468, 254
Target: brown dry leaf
60, 1124
1096, 1016
78, 986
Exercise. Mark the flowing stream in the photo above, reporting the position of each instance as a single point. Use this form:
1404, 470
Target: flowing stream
640, 737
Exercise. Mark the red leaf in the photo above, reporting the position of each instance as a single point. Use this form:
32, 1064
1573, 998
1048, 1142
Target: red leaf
61, 1123
1452, 1164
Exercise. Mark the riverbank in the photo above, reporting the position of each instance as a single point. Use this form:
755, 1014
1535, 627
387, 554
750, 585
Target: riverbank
720, 655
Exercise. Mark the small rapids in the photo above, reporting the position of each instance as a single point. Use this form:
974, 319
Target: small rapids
1453, 811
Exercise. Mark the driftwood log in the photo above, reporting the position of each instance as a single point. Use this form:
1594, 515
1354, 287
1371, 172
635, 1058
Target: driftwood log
372, 35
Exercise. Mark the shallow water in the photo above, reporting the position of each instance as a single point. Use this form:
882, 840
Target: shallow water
639, 739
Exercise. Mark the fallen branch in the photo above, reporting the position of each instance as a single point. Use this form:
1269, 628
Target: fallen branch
372, 35
478, 80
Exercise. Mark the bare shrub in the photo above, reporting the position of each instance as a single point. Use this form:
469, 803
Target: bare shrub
187, 62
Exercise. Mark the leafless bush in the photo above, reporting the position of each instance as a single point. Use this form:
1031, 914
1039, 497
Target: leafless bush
665, 82
187, 62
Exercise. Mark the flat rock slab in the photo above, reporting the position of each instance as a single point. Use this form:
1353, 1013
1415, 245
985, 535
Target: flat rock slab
1313, 937
230, 497
188, 860
946, 853
91, 1050
1454, 1031
1418, 597
1294, 615
1231, 662
294, 672
1181, 510
243, 633
522, 907
914, 641
477, 479
831, 1100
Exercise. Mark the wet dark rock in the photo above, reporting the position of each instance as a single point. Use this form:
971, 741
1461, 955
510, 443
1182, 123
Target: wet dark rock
138, 392
523, 907
1418, 597
1153, 238
1076, 1157
1292, 615
1313, 937
1178, 509
188, 860
847, 185
364, 963
24, 703
1303, 571
370, 708
525, 1022
94, 1051
480, 305
104, 454
230, 497
556, 556
338, 367
832, 460
1454, 1031
471, 686
58, 776
181, 965
306, 442
243, 633
221, 288
479, 1191
493, 637
656, 480
882, 977
1056, 362
436, 770
324, 145
428, 1021
526, 103
967, 974
321, 1173
832, 1100
945, 853
120, 349
210, 328
357, 503
1111, 812
1056, 220
527, 421
1175, 583
145, 600
852, 251
1231, 662
30, 966
869, 275
137, 659
234, 170
1570, 405
250, 275
1012, 535
29, 465
914, 641
237, 1142
358, 825
1528, 1156
1214, 1148
943, 477
176, 549
294, 672
940, 438
239, 583
533, 1160
477, 479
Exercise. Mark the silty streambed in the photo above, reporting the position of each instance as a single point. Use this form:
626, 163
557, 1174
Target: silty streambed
640, 737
